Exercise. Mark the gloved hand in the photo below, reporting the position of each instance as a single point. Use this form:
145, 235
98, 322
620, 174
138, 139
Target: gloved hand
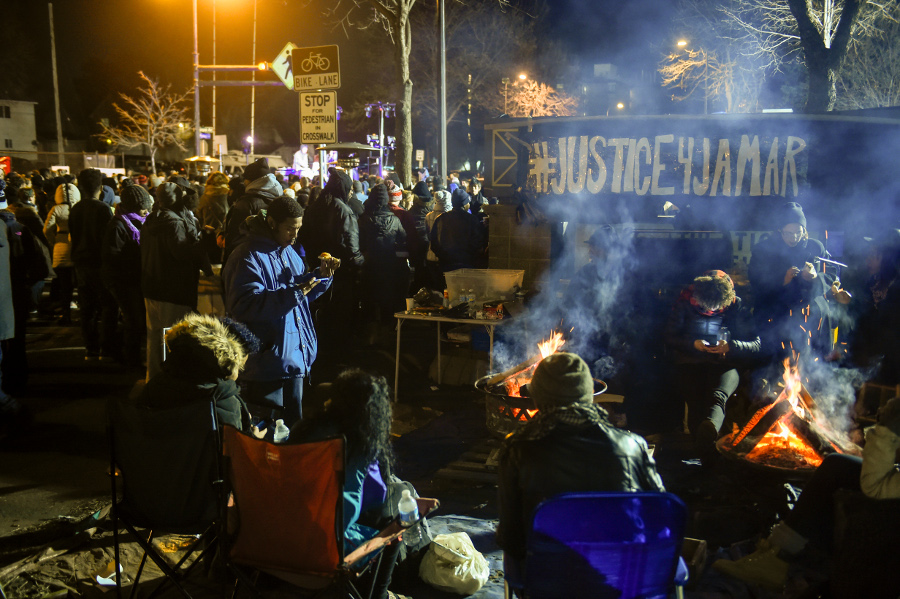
889, 415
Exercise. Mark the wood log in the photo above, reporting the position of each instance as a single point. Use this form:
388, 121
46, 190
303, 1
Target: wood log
502, 376
758, 425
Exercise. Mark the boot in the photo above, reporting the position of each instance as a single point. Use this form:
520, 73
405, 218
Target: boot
761, 567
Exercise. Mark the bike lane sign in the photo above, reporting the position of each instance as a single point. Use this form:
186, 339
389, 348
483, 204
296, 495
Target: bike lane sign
316, 68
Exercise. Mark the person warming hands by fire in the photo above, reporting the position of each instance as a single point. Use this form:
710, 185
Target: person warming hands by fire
812, 521
710, 335
569, 446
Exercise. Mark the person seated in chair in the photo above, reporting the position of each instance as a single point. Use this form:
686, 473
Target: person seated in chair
812, 520
359, 408
710, 334
203, 359
569, 446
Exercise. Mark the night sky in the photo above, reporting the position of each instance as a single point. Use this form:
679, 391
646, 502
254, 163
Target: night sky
101, 44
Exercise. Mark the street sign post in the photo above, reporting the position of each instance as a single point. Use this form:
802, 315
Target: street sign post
318, 117
316, 68
281, 66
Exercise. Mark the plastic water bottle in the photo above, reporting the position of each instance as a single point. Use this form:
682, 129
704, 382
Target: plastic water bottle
409, 515
282, 432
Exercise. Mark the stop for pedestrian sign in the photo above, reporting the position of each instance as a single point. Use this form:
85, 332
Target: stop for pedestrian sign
318, 117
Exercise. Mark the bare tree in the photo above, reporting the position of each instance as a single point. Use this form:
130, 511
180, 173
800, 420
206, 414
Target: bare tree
532, 98
871, 74
822, 30
393, 16
155, 119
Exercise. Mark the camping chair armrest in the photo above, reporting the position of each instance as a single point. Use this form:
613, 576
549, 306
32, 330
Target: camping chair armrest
390, 533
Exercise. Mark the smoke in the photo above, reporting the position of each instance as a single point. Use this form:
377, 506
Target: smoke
834, 390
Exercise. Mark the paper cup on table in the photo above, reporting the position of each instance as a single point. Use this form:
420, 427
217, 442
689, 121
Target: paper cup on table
410, 304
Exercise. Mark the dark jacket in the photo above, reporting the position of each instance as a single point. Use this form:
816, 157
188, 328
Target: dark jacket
87, 224
329, 225
260, 280
121, 254
7, 320
383, 242
770, 260
570, 458
257, 196
687, 323
458, 240
171, 257
170, 389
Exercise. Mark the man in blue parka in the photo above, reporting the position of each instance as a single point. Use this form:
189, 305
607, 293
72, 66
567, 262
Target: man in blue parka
268, 289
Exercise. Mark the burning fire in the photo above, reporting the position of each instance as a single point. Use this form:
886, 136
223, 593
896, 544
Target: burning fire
796, 438
546, 347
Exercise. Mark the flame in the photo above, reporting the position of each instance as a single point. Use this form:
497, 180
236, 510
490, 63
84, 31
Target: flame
785, 442
551, 345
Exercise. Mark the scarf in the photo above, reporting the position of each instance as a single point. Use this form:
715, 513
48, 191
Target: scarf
129, 218
549, 418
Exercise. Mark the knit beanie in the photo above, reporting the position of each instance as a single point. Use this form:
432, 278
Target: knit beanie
421, 190
460, 197
396, 194
442, 201
258, 168
136, 198
792, 212
561, 379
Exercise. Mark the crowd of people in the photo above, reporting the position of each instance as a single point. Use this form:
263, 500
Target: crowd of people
135, 251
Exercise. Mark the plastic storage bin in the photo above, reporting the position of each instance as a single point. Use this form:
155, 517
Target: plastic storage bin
488, 283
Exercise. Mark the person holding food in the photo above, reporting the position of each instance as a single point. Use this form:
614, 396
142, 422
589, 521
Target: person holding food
268, 288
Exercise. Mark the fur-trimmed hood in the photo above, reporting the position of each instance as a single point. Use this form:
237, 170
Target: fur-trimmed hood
202, 347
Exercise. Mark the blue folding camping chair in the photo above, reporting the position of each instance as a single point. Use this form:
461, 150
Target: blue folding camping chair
623, 545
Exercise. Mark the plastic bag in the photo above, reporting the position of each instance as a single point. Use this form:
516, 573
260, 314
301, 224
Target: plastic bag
453, 564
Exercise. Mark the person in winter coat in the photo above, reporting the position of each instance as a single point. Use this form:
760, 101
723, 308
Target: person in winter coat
121, 267
329, 226
268, 288
87, 223
56, 229
710, 335
569, 446
442, 205
171, 259
356, 200
12, 414
205, 356
457, 238
212, 212
385, 274
423, 203
813, 517
261, 188
786, 284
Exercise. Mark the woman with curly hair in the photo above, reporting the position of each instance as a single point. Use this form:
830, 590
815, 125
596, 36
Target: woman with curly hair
359, 408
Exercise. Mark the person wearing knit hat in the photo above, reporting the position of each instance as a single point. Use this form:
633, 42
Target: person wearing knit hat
121, 268
212, 212
711, 338
457, 238
442, 205
256, 169
414, 242
56, 230
569, 445
786, 280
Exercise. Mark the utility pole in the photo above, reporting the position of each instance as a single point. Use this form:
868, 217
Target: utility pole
59, 136
196, 87
212, 138
253, 89
443, 111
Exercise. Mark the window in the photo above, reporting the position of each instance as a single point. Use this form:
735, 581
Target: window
4, 112
7, 143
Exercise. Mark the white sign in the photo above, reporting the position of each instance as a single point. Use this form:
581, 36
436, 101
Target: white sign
281, 66
318, 117
316, 68
420, 155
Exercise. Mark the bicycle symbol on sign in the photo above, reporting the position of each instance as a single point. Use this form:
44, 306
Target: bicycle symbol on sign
315, 61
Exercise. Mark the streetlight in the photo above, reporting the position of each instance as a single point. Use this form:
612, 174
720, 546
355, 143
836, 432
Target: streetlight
682, 43
522, 76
